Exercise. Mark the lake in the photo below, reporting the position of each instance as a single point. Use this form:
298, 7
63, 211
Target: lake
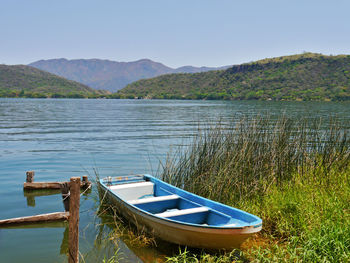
61, 138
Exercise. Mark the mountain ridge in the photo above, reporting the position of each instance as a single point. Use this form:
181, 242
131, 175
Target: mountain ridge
110, 75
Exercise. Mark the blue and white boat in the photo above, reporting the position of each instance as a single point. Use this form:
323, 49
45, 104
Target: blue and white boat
178, 216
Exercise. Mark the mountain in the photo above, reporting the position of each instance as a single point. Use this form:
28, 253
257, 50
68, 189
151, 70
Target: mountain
305, 76
26, 81
190, 69
109, 75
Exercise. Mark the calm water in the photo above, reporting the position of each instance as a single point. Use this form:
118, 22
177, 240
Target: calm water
64, 138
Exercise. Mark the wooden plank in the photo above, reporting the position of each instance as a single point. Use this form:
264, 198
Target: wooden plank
30, 184
58, 216
42, 185
74, 203
49, 185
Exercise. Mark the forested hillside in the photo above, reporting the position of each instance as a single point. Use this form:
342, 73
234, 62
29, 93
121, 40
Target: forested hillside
306, 76
25, 81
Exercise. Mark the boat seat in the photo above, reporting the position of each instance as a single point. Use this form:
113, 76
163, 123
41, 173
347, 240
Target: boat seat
182, 212
133, 191
153, 199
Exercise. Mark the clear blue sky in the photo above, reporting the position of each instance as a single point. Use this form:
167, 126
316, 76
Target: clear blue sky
176, 33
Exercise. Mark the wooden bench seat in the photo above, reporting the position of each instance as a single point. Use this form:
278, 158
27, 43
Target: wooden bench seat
153, 199
133, 191
182, 212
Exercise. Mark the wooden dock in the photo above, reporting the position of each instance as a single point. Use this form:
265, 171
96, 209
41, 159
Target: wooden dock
71, 198
31, 185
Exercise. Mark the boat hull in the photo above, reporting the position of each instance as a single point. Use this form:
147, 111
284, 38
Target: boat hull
187, 235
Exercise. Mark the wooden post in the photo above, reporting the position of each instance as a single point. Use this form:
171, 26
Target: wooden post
73, 256
65, 195
85, 179
85, 182
30, 176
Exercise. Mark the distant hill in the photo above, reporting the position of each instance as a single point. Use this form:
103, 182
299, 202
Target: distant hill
25, 81
109, 75
306, 76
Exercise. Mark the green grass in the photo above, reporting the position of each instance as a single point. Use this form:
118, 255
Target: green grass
186, 256
294, 175
304, 221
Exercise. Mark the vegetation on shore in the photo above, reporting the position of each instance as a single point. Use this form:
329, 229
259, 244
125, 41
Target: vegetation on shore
294, 175
306, 76
27, 82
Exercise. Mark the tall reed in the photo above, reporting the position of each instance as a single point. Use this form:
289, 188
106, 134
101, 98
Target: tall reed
244, 158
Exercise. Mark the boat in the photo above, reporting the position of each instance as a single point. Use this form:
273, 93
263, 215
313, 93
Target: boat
178, 216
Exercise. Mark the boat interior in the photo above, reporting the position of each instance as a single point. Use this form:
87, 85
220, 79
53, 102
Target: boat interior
154, 199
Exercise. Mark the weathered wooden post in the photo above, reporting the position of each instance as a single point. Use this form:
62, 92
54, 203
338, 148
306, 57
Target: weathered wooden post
65, 195
30, 176
85, 182
74, 204
85, 179
30, 179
